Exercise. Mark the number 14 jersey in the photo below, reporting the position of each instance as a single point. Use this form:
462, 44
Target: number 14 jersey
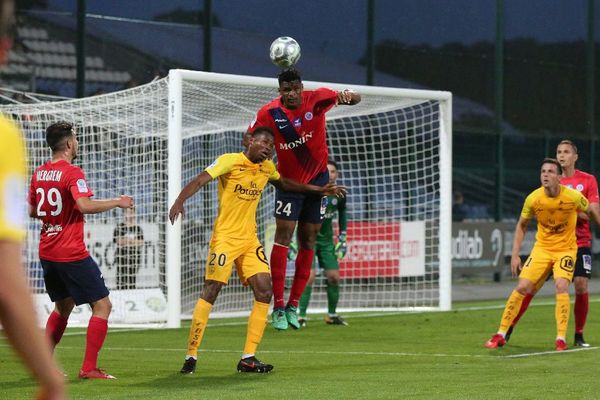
54, 189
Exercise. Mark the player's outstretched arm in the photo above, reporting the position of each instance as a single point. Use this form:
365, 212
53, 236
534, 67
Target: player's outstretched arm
290, 185
520, 231
192, 187
89, 206
348, 97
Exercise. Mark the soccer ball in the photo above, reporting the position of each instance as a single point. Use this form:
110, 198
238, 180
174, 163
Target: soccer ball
284, 52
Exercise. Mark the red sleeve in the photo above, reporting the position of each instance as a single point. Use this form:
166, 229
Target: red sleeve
263, 118
324, 100
593, 191
78, 185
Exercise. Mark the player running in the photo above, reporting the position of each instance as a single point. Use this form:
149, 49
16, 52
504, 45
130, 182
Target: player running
59, 196
242, 178
298, 119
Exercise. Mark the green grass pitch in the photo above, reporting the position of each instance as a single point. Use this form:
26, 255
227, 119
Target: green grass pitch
379, 356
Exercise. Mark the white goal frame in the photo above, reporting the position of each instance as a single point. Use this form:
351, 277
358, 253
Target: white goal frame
175, 110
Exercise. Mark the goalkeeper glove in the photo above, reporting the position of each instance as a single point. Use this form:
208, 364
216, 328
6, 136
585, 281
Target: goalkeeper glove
292, 250
341, 247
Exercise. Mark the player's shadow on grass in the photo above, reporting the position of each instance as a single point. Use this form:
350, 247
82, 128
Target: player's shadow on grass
208, 381
20, 384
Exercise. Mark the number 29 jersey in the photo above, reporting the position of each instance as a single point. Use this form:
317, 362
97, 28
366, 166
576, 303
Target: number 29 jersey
54, 189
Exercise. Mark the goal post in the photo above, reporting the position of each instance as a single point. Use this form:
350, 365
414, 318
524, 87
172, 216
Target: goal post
394, 149
222, 105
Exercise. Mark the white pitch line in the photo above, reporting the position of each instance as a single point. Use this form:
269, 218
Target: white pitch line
544, 353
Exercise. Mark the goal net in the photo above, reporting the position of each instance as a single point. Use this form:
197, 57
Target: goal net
394, 154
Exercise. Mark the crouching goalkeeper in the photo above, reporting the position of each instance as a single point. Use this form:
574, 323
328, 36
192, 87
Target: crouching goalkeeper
327, 254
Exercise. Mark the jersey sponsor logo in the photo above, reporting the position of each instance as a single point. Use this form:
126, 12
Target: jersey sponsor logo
579, 187
48, 176
296, 143
82, 186
282, 126
297, 122
308, 116
253, 190
280, 120
52, 230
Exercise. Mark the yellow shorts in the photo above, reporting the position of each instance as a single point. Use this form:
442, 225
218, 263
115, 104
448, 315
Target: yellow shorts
248, 256
541, 262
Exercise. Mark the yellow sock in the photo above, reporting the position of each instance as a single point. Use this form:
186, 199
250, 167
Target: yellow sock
513, 305
562, 310
199, 320
257, 321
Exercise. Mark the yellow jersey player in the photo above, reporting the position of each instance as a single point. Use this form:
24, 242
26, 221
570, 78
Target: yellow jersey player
241, 179
555, 207
17, 313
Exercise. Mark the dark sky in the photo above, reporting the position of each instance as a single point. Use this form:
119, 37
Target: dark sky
339, 26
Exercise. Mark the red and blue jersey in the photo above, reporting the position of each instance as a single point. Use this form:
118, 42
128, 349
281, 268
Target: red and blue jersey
585, 184
54, 190
300, 138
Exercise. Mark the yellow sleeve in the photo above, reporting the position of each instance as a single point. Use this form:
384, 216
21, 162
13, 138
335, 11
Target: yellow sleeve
528, 212
221, 165
581, 202
13, 169
275, 174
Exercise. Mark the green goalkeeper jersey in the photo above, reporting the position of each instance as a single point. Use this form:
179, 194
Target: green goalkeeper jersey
334, 204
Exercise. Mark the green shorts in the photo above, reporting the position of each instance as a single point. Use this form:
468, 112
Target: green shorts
325, 255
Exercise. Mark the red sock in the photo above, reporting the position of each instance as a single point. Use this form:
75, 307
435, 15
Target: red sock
55, 327
581, 311
96, 333
304, 262
524, 305
278, 265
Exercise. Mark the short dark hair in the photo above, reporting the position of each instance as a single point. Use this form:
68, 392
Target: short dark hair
289, 75
262, 130
570, 143
57, 134
332, 162
552, 161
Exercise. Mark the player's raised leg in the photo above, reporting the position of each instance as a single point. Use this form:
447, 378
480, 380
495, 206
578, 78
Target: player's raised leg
283, 236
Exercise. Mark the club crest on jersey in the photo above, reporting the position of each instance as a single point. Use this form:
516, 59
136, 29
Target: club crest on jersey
82, 186
297, 122
308, 116
579, 187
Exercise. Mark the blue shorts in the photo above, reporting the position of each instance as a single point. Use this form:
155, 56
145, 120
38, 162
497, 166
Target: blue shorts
302, 207
81, 280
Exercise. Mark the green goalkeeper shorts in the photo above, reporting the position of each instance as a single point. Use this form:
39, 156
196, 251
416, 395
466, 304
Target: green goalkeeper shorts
325, 255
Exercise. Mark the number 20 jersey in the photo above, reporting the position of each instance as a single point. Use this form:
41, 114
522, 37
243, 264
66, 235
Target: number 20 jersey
54, 189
